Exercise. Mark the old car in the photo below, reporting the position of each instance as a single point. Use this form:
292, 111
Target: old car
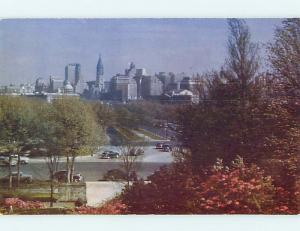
4, 161
109, 155
25, 178
166, 148
62, 176
159, 146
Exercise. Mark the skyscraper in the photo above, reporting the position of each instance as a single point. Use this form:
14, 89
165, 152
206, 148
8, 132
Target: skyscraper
99, 73
72, 74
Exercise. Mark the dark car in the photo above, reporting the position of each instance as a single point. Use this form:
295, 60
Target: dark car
109, 155
166, 148
62, 176
25, 178
159, 146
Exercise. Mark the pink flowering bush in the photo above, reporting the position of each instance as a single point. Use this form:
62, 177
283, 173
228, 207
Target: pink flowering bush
111, 207
237, 189
17, 203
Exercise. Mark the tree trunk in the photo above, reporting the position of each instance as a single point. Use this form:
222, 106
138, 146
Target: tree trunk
72, 168
68, 169
10, 172
51, 189
18, 170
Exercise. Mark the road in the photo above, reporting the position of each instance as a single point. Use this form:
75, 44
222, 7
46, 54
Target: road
93, 168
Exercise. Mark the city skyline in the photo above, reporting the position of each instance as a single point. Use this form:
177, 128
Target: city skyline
33, 48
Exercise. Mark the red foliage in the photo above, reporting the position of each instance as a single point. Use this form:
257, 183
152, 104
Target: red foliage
20, 204
220, 190
112, 207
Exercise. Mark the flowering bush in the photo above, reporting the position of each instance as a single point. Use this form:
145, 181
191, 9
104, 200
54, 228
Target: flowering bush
17, 203
112, 207
237, 189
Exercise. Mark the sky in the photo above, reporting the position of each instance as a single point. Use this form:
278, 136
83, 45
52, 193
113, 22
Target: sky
38, 48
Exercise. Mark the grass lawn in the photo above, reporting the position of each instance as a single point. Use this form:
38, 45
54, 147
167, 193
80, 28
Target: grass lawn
150, 134
128, 135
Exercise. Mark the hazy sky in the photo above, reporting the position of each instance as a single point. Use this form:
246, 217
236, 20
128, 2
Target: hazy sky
42, 47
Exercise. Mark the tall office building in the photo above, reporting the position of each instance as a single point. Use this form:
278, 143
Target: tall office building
72, 74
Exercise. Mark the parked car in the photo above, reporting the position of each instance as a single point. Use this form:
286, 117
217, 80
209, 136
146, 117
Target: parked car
109, 155
78, 177
166, 148
24, 160
159, 146
25, 178
4, 161
62, 176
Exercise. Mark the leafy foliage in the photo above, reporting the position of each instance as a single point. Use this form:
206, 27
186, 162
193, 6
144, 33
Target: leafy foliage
237, 189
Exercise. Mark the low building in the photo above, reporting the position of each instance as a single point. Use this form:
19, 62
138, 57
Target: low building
151, 86
41, 85
179, 97
56, 84
123, 88
191, 84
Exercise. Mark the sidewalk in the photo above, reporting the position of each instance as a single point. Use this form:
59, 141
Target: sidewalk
97, 192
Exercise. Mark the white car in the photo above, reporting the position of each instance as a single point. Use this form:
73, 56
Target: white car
24, 160
4, 161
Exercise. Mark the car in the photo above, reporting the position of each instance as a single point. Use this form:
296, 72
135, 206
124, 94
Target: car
159, 146
14, 157
4, 161
166, 148
109, 155
25, 178
24, 160
77, 177
113, 155
62, 176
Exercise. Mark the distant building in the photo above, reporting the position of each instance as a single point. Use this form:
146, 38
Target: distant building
131, 71
123, 88
179, 97
68, 88
27, 89
96, 88
151, 86
99, 74
73, 76
106, 86
41, 85
169, 80
10, 90
188, 83
56, 85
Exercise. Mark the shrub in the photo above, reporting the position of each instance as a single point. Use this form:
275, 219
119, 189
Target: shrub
238, 189
111, 207
17, 203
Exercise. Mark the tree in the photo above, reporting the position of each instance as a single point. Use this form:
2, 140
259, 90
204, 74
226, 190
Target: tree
79, 132
242, 63
48, 133
105, 115
15, 129
284, 54
129, 157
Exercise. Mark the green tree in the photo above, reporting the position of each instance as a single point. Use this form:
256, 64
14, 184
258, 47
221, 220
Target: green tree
79, 134
15, 129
